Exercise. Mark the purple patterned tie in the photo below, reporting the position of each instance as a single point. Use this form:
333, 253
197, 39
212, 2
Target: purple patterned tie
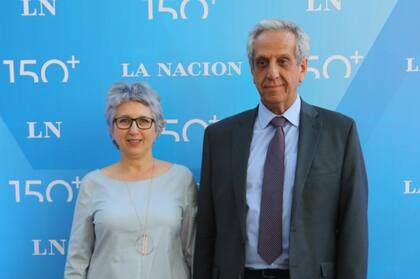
270, 230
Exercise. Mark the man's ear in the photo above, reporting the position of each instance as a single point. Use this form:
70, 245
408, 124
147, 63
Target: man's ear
303, 68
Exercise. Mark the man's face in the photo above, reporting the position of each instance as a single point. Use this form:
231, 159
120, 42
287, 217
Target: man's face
275, 69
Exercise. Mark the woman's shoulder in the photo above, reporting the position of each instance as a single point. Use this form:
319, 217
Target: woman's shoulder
173, 170
91, 176
180, 169
89, 182
185, 175
183, 169
97, 177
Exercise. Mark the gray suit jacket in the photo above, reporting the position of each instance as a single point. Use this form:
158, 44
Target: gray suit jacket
328, 233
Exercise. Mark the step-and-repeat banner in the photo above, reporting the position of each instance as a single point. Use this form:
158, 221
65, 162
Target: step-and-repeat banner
58, 59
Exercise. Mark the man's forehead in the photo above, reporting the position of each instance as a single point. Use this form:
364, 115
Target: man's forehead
279, 52
276, 35
274, 41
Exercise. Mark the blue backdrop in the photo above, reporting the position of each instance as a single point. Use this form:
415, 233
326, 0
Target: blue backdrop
58, 59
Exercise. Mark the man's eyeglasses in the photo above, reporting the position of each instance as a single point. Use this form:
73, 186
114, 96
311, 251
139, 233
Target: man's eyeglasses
125, 123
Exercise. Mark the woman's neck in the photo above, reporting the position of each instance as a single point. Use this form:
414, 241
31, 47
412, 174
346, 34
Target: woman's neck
135, 167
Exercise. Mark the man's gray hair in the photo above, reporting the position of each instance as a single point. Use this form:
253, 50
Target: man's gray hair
302, 40
137, 92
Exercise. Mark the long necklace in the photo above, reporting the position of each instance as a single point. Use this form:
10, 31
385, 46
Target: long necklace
144, 242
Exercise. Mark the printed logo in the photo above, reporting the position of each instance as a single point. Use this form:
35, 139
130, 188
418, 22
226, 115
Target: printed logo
347, 62
38, 7
50, 247
41, 71
46, 130
411, 66
410, 189
323, 5
171, 69
41, 191
178, 10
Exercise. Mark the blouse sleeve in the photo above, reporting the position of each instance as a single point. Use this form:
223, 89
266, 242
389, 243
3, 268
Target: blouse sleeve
188, 222
82, 238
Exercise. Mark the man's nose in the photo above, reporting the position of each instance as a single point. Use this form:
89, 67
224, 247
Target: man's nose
273, 71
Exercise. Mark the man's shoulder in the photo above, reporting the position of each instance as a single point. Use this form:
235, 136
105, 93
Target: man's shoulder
330, 116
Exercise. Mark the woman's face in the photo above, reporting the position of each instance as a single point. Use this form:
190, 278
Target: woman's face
134, 142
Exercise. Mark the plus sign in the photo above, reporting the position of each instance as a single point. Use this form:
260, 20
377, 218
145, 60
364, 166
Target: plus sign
76, 182
73, 62
356, 57
213, 119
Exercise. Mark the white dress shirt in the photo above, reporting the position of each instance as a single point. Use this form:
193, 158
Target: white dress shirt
262, 135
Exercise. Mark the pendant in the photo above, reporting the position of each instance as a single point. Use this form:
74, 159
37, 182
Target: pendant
144, 244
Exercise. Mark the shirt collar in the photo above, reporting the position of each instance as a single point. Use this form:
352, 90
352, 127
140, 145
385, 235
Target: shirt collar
292, 114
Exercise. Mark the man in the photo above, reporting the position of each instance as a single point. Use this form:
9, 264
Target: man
283, 190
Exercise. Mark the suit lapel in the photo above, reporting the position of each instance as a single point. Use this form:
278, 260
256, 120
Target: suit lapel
241, 142
309, 131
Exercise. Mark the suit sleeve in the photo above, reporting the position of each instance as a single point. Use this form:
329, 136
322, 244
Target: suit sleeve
206, 230
82, 236
352, 249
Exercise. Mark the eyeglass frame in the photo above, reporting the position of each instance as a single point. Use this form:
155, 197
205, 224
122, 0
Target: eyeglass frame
134, 120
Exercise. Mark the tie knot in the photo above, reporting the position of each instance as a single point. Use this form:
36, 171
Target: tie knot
278, 121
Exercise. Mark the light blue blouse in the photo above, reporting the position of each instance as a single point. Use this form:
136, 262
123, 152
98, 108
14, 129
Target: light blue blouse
105, 227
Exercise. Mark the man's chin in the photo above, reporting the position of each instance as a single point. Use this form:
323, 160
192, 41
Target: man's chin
275, 94
278, 89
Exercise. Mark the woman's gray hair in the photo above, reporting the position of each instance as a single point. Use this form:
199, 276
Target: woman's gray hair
138, 92
302, 40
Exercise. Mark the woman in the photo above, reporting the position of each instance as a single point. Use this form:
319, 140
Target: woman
135, 218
